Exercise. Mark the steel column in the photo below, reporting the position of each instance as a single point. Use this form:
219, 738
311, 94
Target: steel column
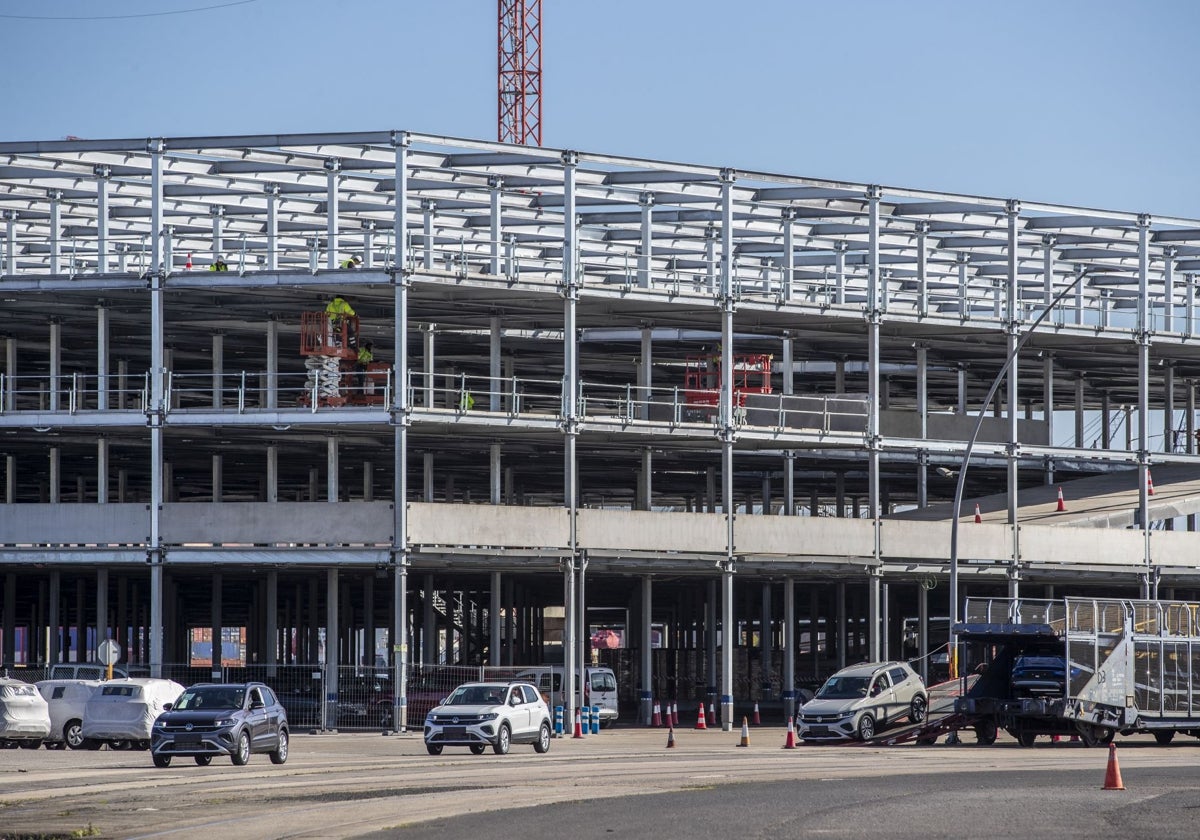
272, 193
332, 648
55, 197
1013, 297
333, 168
646, 251
156, 409
789, 648
1149, 581
102, 176
570, 288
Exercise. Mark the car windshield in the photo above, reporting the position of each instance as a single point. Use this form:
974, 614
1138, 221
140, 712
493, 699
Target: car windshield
210, 697
843, 688
477, 695
1040, 663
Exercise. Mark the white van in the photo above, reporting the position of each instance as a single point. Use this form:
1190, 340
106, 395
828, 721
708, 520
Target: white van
83, 671
121, 713
599, 690
67, 700
24, 717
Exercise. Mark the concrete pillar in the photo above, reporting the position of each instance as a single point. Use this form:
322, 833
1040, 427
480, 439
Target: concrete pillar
427, 361
272, 395
271, 629
331, 648
332, 491
215, 626
494, 637
55, 475
218, 478
272, 472
766, 642
53, 619
368, 491
429, 646
646, 692
788, 687
842, 639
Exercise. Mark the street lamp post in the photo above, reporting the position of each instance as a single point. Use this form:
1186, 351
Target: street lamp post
962, 472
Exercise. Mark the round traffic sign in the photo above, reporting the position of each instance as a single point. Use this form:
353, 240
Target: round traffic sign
109, 652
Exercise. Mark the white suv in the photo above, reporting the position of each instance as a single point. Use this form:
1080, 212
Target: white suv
480, 714
858, 701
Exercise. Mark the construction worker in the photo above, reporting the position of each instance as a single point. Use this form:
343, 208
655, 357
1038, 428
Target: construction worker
219, 264
339, 311
466, 402
365, 357
353, 262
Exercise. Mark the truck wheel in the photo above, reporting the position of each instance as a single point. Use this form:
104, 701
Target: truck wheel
985, 733
1026, 739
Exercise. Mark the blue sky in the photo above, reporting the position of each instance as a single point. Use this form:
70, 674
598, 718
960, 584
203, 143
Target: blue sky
1092, 103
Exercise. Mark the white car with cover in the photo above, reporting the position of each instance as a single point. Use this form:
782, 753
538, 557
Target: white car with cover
121, 713
67, 699
24, 716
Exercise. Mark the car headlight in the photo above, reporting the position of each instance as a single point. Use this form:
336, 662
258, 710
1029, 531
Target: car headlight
225, 722
159, 723
489, 716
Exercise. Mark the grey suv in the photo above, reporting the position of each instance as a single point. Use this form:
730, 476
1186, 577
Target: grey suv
858, 701
233, 719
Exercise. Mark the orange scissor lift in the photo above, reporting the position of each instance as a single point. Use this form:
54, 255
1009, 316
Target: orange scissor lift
702, 381
320, 336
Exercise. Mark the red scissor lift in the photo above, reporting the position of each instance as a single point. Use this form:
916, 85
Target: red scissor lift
702, 381
320, 336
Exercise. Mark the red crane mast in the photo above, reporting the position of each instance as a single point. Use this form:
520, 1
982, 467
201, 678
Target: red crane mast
519, 72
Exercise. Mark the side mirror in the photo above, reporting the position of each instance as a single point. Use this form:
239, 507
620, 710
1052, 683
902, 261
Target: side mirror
167, 706
257, 704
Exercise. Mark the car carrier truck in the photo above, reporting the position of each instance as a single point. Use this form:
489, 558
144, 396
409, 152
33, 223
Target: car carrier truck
1081, 666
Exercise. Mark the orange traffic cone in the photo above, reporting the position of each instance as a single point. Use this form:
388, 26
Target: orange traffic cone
757, 719
656, 720
671, 738
674, 713
578, 724
1061, 505
1149, 484
745, 742
790, 743
978, 517
188, 264
712, 715
1112, 778
700, 724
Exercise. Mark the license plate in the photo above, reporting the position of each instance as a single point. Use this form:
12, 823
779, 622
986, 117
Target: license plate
455, 732
187, 740
818, 730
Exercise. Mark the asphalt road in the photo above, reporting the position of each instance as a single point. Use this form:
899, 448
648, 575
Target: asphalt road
621, 782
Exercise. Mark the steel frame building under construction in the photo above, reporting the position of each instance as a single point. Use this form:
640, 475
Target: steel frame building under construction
664, 392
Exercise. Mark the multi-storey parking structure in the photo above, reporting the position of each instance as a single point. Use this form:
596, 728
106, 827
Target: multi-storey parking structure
614, 384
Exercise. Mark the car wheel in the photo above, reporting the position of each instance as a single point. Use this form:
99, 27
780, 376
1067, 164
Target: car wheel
94, 744
120, 745
926, 742
476, 749
73, 734
1026, 739
162, 761
503, 740
1164, 738
985, 733
280, 753
31, 745
916, 709
434, 749
241, 753
866, 728
202, 760
542, 744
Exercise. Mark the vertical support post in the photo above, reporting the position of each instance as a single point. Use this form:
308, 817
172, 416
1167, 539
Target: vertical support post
218, 244
1168, 321
645, 670
964, 302
272, 395
368, 254
494, 636
10, 372
1150, 579
272, 472
216, 607
10, 242
102, 175
271, 627
922, 269
570, 160
789, 648
401, 418
218, 368
1168, 406
1048, 407
495, 473
495, 382
842, 638
55, 363
157, 408
102, 448
272, 192
646, 252
646, 481
645, 372
875, 291
789, 255
1013, 318
728, 435
923, 632
923, 417
427, 361
496, 188
331, 648
789, 482
102, 357
766, 641
55, 197
1048, 243
102, 627
428, 208
53, 620
332, 491
333, 168
839, 270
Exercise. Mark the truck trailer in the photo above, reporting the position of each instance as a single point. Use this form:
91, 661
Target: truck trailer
1080, 666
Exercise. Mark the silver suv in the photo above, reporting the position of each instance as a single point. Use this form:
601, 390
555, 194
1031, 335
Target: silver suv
862, 699
478, 715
